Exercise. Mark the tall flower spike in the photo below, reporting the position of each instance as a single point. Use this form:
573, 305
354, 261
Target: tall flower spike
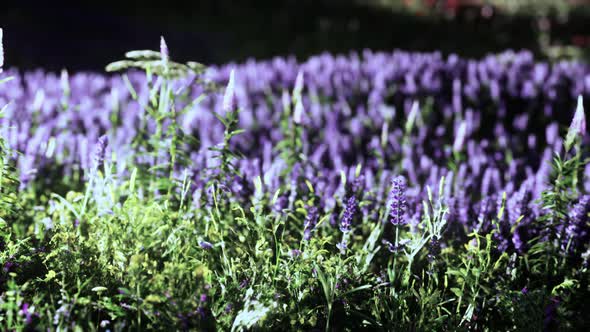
398, 201
229, 98
164, 50
310, 222
460, 137
298, 113
99, 152
298, 85
349, 212
578, 126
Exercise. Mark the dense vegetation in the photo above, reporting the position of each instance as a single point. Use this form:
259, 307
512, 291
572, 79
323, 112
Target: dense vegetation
376, 191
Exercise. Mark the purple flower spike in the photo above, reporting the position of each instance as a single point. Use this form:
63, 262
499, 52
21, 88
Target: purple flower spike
100, 151
577, 230
460, 137
310, 222
349, 212
398, 201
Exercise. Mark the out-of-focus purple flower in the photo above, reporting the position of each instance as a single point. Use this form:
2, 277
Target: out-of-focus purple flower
203, 298
460, 137
228, 308
577, 229
285, 100
349, 212
229, 98
205, 245
294, 253
298, 112
100, 151
281, 203
550, 320
398, 201
358, 184
342, 246
310, 222
524, 290
25, 311
8, 266
298, 88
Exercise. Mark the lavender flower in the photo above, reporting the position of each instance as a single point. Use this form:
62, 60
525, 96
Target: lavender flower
398, 201
433, 248
26, 311
298, 88
310, 222
349, 212
577, 230
357, 185
164, 51
281, 204
229, 98
100, 151
460, 137
298, 112
578, 126
294, 253
342, 246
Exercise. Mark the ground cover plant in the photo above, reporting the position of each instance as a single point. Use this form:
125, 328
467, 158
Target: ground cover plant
374, 191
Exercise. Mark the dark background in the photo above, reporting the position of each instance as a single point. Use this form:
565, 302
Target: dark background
88, 35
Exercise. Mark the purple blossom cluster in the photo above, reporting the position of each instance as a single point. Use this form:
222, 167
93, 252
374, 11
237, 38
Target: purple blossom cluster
488, 126
398, 201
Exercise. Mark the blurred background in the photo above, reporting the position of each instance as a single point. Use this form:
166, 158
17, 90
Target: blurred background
87, 35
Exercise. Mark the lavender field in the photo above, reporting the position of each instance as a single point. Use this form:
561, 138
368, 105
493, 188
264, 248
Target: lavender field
376, 191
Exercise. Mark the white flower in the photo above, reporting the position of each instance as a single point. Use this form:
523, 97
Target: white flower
298, 85
578, 126
298, 113
229, 98
460, 137
164, 50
